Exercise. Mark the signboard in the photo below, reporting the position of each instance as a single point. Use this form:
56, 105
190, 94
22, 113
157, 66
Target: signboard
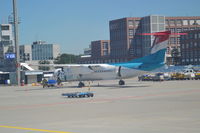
10, 56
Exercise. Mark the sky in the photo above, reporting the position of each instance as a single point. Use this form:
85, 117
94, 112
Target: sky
73, 24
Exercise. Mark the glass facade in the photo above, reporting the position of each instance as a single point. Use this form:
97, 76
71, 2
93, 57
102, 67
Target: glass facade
42, 52
150, 24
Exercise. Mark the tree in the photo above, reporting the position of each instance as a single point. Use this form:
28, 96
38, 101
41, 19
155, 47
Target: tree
66, 59
44, 68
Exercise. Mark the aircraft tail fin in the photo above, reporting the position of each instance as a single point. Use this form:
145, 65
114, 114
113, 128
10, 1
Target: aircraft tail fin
158, 49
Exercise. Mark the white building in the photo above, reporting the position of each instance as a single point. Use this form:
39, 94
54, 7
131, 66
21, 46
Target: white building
6, 36
6, 40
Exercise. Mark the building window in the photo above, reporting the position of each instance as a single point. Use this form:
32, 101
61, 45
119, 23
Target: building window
185, 22
130, 40
178, 40
172, 40
154, 27
195, 36
105, 45
191, 22
131, 32
161, 27
183, 46
5, 38
172, 30
195, 44
105, 52
172, 23
161, 19
185, 29
178, 22
166, 23
187, 46
178, 30
5, 28
198, 22
130, 23
137, 22
191, 36
191, 45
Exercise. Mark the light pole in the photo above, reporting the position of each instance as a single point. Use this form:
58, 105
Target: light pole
16, 41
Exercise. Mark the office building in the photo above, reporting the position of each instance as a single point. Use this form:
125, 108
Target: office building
44, 51
177, 25
100, 48
99, 52
25, 53
122, 32
190, 48
87, 51
142, 43
125, 41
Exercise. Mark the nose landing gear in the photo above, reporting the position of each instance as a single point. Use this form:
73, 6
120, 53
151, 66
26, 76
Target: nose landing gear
81, 84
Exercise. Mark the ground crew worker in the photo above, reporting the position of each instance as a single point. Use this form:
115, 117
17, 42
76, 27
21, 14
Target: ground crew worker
44, 82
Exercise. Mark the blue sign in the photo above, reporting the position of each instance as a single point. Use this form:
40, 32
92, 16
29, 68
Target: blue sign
10, 56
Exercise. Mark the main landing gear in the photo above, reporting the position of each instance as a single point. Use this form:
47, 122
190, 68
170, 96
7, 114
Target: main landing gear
81, 84
121, 82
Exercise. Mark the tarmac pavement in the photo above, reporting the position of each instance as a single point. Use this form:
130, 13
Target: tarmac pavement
140, 107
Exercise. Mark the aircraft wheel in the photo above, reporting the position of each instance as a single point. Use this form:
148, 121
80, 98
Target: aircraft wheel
121, 82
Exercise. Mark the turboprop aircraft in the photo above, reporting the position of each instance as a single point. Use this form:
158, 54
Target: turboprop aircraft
133, 68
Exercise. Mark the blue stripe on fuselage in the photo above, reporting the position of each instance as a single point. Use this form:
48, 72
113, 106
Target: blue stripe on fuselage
146, 63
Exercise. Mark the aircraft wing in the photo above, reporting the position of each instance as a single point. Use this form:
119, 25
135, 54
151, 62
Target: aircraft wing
76, 68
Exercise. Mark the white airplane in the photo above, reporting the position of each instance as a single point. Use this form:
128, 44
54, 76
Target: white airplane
135, 67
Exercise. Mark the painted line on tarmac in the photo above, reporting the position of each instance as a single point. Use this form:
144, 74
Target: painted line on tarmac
100, 100
33, 129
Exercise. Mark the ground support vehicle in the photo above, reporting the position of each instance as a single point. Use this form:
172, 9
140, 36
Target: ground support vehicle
50, 83
189, 74
78, 94
177, 76
145, 77
158, 77
197, 75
